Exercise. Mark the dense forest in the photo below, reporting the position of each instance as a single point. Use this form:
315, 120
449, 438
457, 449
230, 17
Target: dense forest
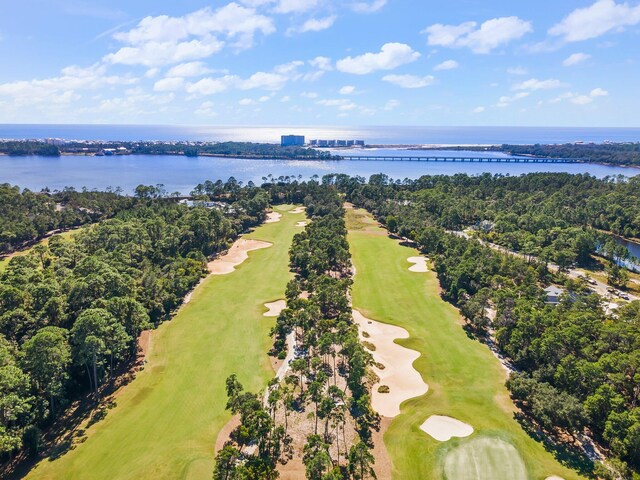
607, 153
27, 216
325, 396
576, 368
555, 217
189, 149
71, 311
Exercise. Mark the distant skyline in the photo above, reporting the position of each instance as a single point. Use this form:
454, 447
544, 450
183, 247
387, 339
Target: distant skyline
321, 62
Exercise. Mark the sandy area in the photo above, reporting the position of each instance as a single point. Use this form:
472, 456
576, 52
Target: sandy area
223, 435
403, 380
273, 217
383, 466
298, 210
302, 224
554, 477
275, 308
444, 428
237, 254
144, 344
420, 264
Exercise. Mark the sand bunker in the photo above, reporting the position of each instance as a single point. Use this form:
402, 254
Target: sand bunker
554, 477
275, 308
420, 264
298, 210
403, 380
273, 217
237, 254
444, 428
302, 224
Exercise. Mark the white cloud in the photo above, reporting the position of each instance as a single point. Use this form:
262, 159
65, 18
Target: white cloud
391, 55
314, 25
391, 105
322, 63
517, 71
285, 99
309, 95
581, 99
246, 101
505, 101
479, 110
483, 39
206, 109
295, 6
410, 81
165, 53
190, 69
163, 40
599, 92
347, 90
341, 103
169, 84
596, 20
535, 84
364, 7
211, 86
447, 65
575, 58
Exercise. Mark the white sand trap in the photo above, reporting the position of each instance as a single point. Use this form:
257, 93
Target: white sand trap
420, 264
275, 308
554, 477
444, 428
403, 380
302, 224
237, 254
273, 217
298, 210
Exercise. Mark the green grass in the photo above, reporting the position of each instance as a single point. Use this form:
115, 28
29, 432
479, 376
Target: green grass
465, 380
485, 458
166, 421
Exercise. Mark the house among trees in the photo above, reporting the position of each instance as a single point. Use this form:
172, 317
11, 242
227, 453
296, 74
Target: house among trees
554, 293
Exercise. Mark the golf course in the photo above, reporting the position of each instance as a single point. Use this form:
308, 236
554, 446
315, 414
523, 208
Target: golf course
165, 422
466, 382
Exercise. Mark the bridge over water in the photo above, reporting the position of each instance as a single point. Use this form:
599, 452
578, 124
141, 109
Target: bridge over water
396, 158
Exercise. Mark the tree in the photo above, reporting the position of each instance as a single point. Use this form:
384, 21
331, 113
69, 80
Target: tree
316, 458
361, 462
97, 335
47, 356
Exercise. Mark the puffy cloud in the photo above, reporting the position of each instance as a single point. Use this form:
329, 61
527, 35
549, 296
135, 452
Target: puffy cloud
479, 110
447, 65
314, 25
391, 55
190, 69
163, 40
391, 105
596, 20
365, 7
483, 39
295, 6
246, 101
581, 99
62, 89
164, 53
212, 86
535, 84
342, 104
347, 90
517, 71
169, 84
322, 63
575, 58
599, 92
505, 101
410, 81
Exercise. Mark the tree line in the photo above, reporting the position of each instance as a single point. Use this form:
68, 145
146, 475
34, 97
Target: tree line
327, 385
71, 311
577, 367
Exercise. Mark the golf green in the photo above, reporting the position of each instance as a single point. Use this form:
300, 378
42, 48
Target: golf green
465, 380
166, 420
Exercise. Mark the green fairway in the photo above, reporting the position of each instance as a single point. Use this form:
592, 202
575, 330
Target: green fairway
465, 380
166, 421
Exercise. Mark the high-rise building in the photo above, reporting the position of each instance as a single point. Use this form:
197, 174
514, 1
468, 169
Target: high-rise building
292, 140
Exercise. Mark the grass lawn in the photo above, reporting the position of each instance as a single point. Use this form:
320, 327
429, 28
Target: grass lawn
465, 380
166, 421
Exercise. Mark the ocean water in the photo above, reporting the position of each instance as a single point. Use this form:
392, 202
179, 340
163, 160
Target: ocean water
377, 135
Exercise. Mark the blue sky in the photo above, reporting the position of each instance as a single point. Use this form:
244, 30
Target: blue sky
321, 62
